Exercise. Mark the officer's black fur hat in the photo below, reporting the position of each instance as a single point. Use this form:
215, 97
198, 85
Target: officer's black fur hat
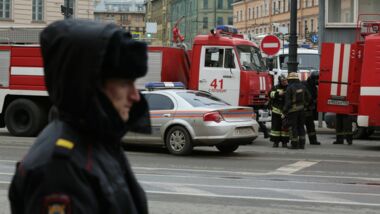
126, 59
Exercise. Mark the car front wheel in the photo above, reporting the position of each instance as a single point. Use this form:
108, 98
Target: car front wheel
178, 141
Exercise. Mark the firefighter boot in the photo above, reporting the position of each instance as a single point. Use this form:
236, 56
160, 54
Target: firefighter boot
285, 144
313, 140
339, 140
349, 140
293, 145
301, 144
275, 144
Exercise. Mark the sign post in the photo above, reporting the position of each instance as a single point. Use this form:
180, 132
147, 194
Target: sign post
270, 45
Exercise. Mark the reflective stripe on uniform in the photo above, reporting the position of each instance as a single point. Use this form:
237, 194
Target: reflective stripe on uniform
272, 94
275, 133
276, 110
284, 134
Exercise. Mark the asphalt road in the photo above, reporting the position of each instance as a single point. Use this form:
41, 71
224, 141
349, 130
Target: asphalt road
256, 179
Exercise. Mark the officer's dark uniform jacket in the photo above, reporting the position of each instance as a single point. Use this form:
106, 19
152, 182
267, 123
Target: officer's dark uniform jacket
76, 164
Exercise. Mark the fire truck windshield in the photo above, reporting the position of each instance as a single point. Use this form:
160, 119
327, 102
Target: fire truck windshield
306, 61
250, 58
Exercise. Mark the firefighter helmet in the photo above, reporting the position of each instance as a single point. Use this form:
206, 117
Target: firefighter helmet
293, 76
281, 77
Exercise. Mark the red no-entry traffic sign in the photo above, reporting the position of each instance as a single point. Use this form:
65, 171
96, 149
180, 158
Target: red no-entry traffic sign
270, 45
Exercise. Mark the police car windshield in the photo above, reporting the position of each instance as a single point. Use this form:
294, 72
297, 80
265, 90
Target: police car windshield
201, 99
250, 58
306, 61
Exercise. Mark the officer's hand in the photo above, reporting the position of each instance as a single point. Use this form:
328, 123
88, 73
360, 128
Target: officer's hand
282, 116
281, 92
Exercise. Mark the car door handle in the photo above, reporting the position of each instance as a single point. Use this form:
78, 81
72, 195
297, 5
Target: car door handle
166, 115
202, 80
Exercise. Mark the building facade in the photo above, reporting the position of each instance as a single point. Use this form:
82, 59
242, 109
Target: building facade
193, 16
128, 14
157, 11
338, 19
260, 17
22, 20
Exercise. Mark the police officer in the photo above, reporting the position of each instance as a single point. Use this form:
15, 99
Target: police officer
278, 132
77, 164
311, 85
343, 129
296, 98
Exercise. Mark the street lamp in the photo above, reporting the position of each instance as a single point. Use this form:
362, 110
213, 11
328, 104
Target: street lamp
66, 10
292, 63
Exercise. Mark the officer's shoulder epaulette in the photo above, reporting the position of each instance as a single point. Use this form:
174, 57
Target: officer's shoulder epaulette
63, 147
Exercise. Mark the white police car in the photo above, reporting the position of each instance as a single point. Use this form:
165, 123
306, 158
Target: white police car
182, 119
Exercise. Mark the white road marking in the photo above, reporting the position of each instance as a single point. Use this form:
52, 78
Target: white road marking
292, 168
267, 198
283, 190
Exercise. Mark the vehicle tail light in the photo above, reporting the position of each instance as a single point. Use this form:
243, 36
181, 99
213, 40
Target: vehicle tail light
213, 116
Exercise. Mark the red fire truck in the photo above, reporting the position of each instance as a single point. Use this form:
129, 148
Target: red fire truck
349, 80
223, 64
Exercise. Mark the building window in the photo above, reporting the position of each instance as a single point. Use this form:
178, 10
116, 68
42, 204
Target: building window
220, 4
340, 12
38, 10
306, 29
298, 4
5, 9
274, 8
299, 28
229, 2
279, 6
311, 25
237, 16
219, 21
205, 4
261, 10
253, 12
316, 2
249, 13
257, 12
241, 15
230, 20
205, 22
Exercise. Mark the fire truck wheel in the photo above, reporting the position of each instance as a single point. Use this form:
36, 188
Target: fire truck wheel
178, 141
227, 148
25, 118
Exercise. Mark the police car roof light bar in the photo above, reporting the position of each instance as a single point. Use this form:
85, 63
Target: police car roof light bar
164, 85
